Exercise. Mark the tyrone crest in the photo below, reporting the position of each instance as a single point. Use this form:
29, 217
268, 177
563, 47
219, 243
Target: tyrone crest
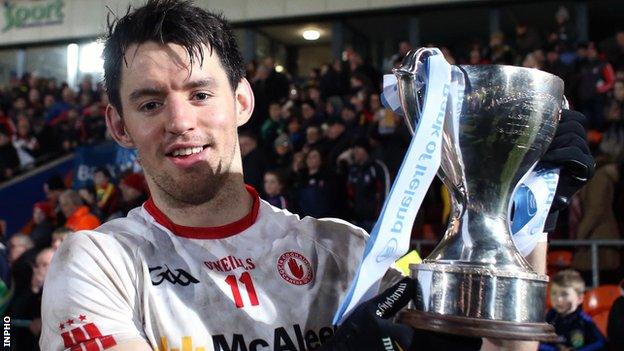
295, 268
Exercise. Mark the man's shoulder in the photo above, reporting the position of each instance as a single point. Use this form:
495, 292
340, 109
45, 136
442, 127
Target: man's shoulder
333, 228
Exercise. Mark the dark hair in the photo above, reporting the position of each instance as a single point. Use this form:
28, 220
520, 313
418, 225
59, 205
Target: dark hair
104, 171
169, 21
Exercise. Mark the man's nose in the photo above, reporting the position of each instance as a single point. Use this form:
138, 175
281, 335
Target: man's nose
180, 116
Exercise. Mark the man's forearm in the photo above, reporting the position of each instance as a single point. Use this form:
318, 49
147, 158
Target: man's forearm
537, 260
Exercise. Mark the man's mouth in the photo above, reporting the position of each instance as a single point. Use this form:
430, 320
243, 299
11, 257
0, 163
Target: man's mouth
187, 151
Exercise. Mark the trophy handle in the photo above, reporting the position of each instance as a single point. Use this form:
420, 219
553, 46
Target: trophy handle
412, 81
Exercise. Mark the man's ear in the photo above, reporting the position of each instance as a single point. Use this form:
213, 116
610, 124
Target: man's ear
117, 127
244, 102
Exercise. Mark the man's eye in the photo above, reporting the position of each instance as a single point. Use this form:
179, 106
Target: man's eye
150, 106
201, 96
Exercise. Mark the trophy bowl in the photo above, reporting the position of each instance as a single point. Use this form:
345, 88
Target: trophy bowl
475, 282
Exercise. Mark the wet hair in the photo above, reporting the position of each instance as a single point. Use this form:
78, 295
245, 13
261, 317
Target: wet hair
569, 278
169, 21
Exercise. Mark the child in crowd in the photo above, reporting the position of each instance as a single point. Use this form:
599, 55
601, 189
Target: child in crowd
576, 329
273, 186
59, 235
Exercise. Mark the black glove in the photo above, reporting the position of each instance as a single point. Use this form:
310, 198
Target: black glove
570, 152
369, 326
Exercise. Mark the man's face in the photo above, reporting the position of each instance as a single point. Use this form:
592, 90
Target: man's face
312, 135
275, 112
17, 247
181, 119
67, 206
564, 300
359, 155
42, 262
100, 179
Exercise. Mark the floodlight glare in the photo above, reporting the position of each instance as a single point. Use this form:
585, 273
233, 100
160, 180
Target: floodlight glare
311, 34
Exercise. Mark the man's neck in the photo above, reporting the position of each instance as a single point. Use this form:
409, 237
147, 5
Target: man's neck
231, 203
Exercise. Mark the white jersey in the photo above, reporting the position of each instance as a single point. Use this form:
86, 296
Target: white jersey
266, 282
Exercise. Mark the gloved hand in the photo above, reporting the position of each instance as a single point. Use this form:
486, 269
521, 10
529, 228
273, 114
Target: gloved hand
570, 152
369, 327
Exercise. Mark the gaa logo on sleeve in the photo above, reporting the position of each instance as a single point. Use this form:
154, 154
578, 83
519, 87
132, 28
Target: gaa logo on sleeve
295, 268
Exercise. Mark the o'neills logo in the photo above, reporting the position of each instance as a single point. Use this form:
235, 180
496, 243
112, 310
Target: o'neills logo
295, 268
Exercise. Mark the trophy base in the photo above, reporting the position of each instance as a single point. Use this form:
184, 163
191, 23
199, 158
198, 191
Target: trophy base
476, 300
476, 327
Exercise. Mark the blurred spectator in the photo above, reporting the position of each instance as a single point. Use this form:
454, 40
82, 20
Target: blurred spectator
330, 81
555, 66
499, 53
59, 235
283, 154
6, 124
403, 48
273, 189
27, 306
367, 185
314, 139
254, 163
612, 143
475, 57
69, 127
272, 126
530, 61
41, 233
107, 194
133, 193
313, 189
353, 127
78, 215
564, 32
24, 139
57, 108
53, 188
9, 160
276, 85
615, 50
88, 194
337, 141
595, 79
527, 39
572, 324
21, 260
598, 221
309, 114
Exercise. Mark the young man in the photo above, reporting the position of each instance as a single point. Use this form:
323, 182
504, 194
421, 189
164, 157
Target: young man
204, 264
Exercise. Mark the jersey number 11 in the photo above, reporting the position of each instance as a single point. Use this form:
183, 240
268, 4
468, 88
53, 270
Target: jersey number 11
248, 283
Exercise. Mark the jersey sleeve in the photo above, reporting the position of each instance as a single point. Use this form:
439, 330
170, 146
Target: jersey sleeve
89, 299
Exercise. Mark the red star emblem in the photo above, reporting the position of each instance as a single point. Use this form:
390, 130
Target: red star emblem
70, 322
82, 317
62, 326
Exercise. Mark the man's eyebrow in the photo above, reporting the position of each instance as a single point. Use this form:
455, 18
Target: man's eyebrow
200, 83
139, 93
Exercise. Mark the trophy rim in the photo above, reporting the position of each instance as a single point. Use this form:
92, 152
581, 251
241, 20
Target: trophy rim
475, 327
474, 269
517, 68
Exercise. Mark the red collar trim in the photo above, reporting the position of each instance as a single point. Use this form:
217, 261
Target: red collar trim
221, 232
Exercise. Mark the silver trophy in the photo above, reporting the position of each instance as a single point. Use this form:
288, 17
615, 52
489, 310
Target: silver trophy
475, 282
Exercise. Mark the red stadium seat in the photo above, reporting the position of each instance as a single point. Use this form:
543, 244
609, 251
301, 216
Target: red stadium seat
601, 320
558, 260
600, 299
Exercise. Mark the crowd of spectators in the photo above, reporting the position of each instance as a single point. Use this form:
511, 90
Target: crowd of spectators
41, 119
319, 145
